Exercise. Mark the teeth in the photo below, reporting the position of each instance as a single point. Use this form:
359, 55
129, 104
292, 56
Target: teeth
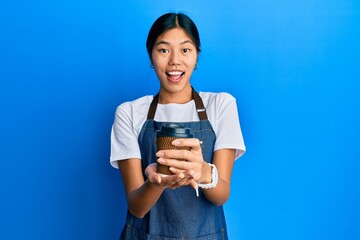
174, 73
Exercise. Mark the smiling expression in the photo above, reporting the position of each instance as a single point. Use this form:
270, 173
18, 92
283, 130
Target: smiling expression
174, 56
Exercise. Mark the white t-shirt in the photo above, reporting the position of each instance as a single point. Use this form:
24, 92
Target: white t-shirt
130, 117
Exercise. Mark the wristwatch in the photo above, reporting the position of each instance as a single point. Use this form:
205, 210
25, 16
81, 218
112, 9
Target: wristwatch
214, 178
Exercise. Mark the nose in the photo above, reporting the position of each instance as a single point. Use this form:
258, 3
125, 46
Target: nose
175, 58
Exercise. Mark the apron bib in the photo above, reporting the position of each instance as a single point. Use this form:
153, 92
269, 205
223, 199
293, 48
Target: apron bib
178, 214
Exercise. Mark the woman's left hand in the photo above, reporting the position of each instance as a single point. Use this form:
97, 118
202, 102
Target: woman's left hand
190, 162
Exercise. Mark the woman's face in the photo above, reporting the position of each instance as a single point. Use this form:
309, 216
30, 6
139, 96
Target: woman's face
174, 57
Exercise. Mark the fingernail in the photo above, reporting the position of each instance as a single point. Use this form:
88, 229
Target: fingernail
176, 142
159, 154
161, 160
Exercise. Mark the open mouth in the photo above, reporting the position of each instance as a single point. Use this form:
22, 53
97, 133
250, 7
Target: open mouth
174, 76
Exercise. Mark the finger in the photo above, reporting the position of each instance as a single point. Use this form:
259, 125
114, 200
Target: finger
176, 170
151, 174
190, 174
183, 182
150, 169
175, 154
155, 178
193, 143
180, 178
169, 180
181, 165
186, 155
193, 174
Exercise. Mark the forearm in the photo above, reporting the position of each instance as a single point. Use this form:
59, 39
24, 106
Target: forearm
141, 200
224, 161
193, 164
141, 194
218, 195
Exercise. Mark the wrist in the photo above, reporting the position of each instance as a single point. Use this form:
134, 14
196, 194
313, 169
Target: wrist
206, 174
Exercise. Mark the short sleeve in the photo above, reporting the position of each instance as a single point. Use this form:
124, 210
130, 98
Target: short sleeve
228, 130
124, 143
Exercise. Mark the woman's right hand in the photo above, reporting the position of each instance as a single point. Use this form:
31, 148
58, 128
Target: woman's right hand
168, 181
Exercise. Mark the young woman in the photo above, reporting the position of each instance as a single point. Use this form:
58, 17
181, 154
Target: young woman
166, 206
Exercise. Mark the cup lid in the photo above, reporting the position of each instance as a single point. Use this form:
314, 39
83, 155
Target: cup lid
174, 130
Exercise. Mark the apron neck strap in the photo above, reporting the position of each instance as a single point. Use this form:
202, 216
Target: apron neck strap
198, 103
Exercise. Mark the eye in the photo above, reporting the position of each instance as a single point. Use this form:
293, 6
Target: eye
163, 50
186, 50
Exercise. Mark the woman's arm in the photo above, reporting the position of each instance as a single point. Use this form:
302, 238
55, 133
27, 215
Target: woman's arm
194, 167
141, 195
224, 162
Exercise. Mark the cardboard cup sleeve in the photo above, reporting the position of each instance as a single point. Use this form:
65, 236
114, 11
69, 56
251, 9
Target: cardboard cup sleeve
164, 143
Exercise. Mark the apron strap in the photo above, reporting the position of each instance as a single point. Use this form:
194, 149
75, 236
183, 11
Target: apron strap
153, 106
198, 103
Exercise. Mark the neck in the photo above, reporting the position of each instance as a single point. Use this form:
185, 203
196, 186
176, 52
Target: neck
183, 96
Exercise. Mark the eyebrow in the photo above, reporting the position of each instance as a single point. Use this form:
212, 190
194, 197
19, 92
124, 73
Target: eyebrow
167, 43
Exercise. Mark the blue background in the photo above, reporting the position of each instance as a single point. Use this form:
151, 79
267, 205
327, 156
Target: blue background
292, 65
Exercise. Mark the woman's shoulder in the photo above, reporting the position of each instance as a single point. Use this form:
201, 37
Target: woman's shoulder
217, 98
145, 100
138, 104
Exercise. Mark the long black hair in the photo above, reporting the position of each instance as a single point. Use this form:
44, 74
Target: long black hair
169, 21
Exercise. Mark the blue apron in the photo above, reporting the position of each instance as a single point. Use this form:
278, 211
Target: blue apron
178, 214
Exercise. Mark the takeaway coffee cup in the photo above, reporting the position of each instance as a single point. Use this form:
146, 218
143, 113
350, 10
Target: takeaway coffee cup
168, 133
